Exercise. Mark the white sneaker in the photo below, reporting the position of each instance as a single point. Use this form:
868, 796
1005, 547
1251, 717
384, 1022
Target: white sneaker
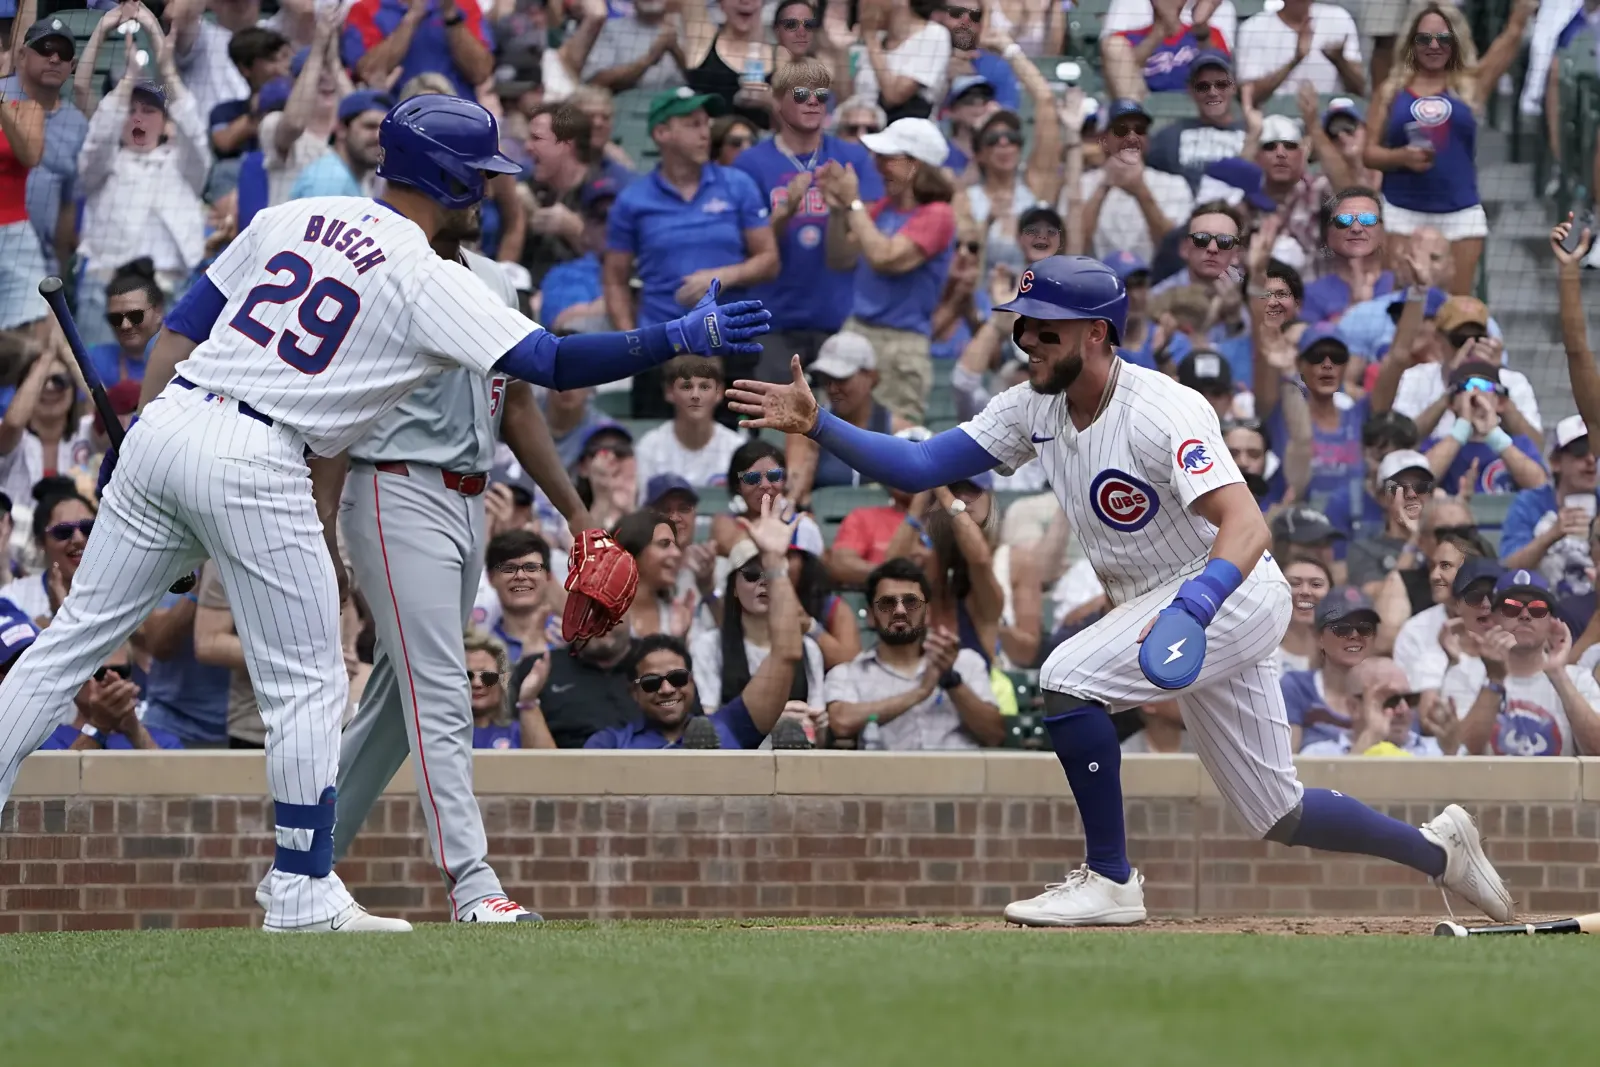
500, 910
1083, 899
353, 920
1467, 870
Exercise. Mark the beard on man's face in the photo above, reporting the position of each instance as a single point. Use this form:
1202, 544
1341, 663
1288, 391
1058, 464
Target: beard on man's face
1256, 484
462, 224
910, 636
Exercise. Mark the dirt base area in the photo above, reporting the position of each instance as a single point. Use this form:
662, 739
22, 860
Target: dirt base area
1245, 924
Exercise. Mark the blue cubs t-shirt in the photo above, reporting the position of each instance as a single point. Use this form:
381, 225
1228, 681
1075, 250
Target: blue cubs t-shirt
806, 295
1493, 477
1338, 469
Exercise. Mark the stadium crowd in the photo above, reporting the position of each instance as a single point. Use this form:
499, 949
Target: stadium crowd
1301, 242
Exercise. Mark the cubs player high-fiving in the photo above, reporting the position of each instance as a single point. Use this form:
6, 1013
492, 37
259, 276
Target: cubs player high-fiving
1139, 466
319, 318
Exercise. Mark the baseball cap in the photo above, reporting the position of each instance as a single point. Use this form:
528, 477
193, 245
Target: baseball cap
1125, 107
1389, 428
983, 480
1241, 175
1041, 213
1303, 526
1209, 59
682, 101
124, 397
742, 552
966, 84
1570, 429
1126, 264
17, 631
662, 484
363, 100
615, 429
594, 192
1404, 459
274, 95
1471, 369
1281, 128
844, 355
1461, 311
1343, 105
1524, 582
1321, 332
152, 94
1475, 569
918, 138
47, 28
1343, 603
1206, 371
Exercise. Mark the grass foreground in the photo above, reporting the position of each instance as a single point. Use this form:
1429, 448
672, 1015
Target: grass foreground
738, 994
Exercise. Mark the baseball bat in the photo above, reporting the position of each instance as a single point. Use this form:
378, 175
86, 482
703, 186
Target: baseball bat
1581, 924
56, 296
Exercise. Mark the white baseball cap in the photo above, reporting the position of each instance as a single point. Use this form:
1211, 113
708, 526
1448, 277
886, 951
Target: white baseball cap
1404, 459
1281, 128
1569, 430
920, 139
843, 355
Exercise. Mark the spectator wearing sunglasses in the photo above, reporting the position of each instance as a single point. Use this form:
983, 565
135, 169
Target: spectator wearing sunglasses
1153, 48
1301, 43
731, 135
693, 445
1298, 190
1450, 541
1547, 528
662, 669
42, 65
1404, 482
1427, 140
918, 684
1369, 327
62, 521
42, 433
134, 303
846, 371
1352, 231
1209, 248
1318, 700
1463, 331
961, 524
857, 117
1387, 718
755, 474
1520, 696
1479, 447
1189, 145
1128, 206
493, 725
808, 299
974, 61
637, 51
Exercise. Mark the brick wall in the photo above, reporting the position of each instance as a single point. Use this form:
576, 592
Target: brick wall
85, 861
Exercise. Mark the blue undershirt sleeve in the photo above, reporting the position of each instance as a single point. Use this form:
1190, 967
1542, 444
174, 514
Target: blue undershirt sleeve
198, 311
587, 358
910, 466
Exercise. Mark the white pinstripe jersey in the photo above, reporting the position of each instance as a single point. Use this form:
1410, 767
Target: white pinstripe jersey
336, 309
1127, 481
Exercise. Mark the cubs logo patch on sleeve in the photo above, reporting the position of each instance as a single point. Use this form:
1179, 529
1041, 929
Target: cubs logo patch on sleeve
1194, 456
1122, 501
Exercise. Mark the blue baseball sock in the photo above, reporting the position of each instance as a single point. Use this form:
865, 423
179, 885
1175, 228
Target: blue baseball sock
1086, 744
1334, 822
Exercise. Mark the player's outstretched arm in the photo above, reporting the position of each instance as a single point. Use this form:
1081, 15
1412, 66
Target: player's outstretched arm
528, 436
910, 466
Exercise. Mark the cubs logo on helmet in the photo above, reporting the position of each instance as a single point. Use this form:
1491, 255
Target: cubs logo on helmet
1194, 457
1122, 501
1026, 283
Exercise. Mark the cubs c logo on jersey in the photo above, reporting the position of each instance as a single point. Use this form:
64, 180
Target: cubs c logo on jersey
1122, 501
1432, 110
1194, 457
1026, 283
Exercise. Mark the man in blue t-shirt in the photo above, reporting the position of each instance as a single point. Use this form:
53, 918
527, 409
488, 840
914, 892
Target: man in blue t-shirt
184, 696
808, 301
965, 22
1548, 528
1477, 447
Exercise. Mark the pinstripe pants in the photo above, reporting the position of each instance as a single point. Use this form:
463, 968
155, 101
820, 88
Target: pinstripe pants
1234, 711
197, 479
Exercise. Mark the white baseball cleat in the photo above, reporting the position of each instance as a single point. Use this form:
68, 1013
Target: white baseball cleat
1083, 899
500, 910
1467, 870
353, 920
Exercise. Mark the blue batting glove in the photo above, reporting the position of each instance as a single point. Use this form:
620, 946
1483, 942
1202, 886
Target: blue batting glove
1174, 650
108, 467
712, 330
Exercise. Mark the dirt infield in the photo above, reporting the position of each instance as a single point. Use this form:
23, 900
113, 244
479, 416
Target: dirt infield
1244, 924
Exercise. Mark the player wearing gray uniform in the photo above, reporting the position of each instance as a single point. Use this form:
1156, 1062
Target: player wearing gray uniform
413, 520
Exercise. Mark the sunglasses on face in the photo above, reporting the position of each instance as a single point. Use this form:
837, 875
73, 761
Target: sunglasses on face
1288, 146
1461, 337
773, 476
736, 142
1478, 385
57, 382
973, 15
511, 570
887, 605
860, 129
1423, 40
1344, 220
1326, 354
971, 247
802, 95
1129, 127
794, 24
652, 682
751, 574
135, 318
1513, 609
1042, 230
1219, 85
63, 531
1224, 241
1347, 630
1394, 701
1577, 449
55, 50
1477, 598
484, 678
1002, 137
1414, 486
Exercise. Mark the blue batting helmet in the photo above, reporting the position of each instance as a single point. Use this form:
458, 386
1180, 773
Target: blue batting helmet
1072, 287
441, 146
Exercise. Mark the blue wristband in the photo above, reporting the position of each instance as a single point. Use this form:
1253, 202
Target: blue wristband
1498, 440
1202, 596
1461, 430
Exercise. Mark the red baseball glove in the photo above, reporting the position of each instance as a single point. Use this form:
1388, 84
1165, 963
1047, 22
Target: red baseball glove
601, 580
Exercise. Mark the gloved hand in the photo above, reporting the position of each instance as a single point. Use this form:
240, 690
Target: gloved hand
601, 580
710, 330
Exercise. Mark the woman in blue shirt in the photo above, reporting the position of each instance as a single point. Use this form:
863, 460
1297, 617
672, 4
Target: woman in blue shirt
488, 670
900, 249
1425, 117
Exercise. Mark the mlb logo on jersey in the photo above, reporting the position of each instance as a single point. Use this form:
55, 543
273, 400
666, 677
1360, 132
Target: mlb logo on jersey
1193, 457
1122, 501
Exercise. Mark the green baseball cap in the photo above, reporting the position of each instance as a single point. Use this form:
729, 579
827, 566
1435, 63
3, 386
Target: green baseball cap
683, 101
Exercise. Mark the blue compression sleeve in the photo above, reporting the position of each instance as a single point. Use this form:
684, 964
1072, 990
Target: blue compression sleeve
910, 466
587, 358
198, 311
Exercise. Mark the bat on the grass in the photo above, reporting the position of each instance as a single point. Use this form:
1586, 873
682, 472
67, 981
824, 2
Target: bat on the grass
1582, 924
56, 296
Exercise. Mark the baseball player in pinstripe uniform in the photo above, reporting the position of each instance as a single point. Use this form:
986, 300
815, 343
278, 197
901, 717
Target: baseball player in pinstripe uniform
1139, 466
413, 519
316, 321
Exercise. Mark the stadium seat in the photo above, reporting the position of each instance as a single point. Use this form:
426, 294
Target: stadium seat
834, 502
1489, 509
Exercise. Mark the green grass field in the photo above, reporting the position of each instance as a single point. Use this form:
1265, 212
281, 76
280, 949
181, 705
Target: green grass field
712, 994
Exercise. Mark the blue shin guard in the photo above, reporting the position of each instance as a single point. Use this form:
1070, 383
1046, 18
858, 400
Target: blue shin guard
1085, 741
317, 860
